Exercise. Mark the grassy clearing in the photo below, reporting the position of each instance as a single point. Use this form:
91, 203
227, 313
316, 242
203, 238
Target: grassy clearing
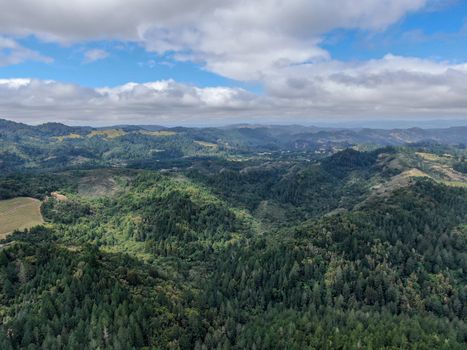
455, 183
108, 134
97, 186
158, 133
429, 156
69, 136
414, 173
206, 144
18, 214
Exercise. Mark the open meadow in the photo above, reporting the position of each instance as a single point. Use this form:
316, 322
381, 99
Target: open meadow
19, 213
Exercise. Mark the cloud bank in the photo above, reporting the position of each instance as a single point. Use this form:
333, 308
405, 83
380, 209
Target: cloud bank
392, 87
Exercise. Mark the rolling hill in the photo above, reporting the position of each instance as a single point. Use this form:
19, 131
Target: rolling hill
255, 243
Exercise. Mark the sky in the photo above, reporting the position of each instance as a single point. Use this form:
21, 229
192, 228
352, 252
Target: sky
218, 62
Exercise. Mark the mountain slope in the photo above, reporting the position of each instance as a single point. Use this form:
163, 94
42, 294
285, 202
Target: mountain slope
237, 248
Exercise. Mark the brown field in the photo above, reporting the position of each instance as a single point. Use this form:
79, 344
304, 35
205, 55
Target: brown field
18, 214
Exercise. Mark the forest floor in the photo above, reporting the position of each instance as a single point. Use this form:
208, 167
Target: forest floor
18, 214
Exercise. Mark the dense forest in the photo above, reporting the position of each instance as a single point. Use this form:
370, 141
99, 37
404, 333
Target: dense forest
245, 246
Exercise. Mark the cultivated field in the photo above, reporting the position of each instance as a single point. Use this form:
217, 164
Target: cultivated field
19, 213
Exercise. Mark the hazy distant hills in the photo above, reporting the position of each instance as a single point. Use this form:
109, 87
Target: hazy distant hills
283, 135
55, 145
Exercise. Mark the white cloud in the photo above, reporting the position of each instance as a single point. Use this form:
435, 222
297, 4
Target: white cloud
31, 100
95, 55
391, 87
239, 39
13, 53
245, 40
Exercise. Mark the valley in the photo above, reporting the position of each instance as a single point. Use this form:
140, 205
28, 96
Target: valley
254, 245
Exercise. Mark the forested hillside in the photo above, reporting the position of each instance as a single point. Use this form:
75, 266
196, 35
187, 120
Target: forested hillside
233, 246
53, 146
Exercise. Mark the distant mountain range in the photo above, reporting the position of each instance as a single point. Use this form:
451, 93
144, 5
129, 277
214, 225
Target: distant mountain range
275, 136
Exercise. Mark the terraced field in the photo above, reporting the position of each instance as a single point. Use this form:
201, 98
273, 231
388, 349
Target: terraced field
19, 213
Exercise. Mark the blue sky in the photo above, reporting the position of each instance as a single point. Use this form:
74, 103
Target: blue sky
125, 62
221, 62
437, 34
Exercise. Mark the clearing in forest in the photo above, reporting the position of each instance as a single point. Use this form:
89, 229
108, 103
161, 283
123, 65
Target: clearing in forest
18, 214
